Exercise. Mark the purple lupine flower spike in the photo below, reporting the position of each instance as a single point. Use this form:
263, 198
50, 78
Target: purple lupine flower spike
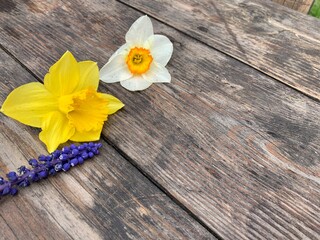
47, 165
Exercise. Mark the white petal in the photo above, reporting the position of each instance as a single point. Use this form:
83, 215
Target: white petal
116, 70
161, 48
157, 73
124, 49
140, 31
136, 83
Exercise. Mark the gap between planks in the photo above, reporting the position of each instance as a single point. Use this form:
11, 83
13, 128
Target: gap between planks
161, 188
19, 62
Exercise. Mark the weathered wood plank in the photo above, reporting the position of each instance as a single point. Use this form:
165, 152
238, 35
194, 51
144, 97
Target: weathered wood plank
299, 5
237, 148
106, 198
272, 39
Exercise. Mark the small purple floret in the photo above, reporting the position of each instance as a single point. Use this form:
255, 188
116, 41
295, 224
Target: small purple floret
75, 152
64, 157
52, 171
6, 190
98, 145
43, 174
56, 154
33, 162
13, 191
84, 155
74, 162
81, 147
80, 160
65, 150
12, 176
66, 167
42, 158
58, 167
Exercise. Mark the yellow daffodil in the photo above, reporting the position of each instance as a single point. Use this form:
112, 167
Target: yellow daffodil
141, 60
67, 106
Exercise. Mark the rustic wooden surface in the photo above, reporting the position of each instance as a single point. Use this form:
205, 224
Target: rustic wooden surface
236, 148
299, 5
105, 198
273, 39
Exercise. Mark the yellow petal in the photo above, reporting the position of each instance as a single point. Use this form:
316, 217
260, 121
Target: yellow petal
113, 104
87, 110
93, 135
63, 76
29, 103
55, 130
89, 75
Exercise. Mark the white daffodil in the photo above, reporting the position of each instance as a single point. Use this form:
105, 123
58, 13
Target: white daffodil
141, 60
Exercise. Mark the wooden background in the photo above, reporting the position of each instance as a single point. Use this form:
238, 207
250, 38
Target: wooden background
228, 150
299, 5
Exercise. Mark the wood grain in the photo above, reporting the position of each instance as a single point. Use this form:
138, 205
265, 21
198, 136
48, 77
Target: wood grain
105, 198
237, 148
275, 40
299, 5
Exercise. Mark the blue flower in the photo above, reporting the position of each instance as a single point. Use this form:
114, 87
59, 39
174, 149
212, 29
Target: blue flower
47, 165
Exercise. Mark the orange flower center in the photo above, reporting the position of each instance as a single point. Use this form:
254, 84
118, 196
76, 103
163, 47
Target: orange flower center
139, 60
